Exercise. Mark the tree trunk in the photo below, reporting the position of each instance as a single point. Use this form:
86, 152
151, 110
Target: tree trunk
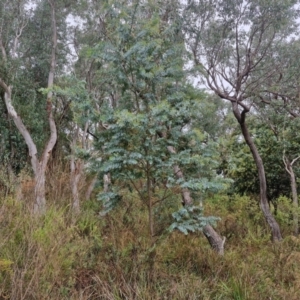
39, 167
106, 182
149, 202
40, 193
264, 204
76, 174
214, 239
91, 187
76, 168
289, 169
295, 202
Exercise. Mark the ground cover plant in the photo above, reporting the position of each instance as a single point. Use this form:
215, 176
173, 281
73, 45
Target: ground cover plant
62, 256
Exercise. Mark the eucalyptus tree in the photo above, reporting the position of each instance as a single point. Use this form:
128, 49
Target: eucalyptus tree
230, 42
30, 40
78, 101
85, 90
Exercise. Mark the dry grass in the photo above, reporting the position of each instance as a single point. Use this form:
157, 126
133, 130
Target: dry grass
62, 256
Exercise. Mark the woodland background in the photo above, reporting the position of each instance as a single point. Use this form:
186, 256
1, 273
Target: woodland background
149, 149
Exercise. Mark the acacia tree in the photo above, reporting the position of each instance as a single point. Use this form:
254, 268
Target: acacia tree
230, 42
17, 54
148, 103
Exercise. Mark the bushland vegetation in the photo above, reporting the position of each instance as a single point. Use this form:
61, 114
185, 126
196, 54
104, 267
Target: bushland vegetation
149, 149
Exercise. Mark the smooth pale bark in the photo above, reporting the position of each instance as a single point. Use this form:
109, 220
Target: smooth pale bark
214, 239
264, 204
20, 125
40, 176
289, 169
38, 166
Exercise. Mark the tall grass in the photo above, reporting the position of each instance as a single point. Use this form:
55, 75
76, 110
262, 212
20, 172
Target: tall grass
85, 256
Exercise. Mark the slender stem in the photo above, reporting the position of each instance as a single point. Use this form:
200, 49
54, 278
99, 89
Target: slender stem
149, 200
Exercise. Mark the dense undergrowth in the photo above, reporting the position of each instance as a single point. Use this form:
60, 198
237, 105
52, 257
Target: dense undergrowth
85, 256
